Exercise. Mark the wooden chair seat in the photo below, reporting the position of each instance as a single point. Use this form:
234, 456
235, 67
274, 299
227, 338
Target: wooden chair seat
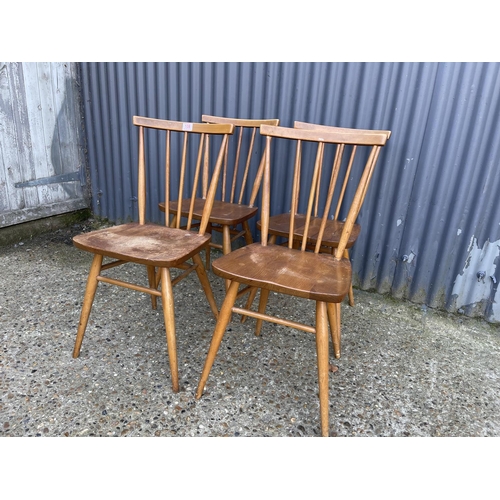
147, 244
279, 225
223, 212
287, 270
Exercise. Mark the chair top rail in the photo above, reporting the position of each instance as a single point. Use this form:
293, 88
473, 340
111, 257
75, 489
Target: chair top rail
176, 126
314, 126
367, 138
240, 122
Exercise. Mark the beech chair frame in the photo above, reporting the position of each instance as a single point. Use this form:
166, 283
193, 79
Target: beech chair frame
160, 247
291, 270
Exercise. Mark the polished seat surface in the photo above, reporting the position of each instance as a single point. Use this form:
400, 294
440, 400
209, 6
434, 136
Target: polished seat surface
286, 270
279, 225
223, 212
148, 244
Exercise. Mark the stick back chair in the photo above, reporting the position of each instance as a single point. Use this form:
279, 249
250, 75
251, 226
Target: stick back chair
279, 224
322, 277
153, 245
235, 201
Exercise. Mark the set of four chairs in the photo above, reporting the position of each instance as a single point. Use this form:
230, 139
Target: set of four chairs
301, 253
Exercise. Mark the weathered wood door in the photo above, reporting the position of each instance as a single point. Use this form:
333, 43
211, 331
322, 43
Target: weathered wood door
42, 161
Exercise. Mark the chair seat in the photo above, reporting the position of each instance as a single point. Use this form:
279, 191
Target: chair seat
223, 212
149, 244
280, 225
281, 269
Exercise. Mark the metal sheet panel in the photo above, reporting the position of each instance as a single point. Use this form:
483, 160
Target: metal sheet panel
430, 222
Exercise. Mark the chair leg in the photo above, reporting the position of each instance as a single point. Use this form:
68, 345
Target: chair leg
88, 299
251, 297
351, 296
322, 353
264, 294
351, 293
334, 320
248, 233
220, 329
226, 245
207, 250
152, 284
167, 298
202, 276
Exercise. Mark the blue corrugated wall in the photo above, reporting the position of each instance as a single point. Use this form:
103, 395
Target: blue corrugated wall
431, 219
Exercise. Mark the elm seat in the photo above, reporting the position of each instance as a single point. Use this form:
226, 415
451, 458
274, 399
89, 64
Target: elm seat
287, 270
223, 213
147, 244
279, 225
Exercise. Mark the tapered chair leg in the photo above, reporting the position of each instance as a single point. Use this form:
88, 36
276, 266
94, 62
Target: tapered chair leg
152, 284
88, 299
351, 293
220, 329
334, 320
226, 246
264, 294
207, 250
202, 276
322, 353
167, 298
251, 297
248, 233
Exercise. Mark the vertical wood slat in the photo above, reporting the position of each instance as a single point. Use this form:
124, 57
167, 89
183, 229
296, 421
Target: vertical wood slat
141, 178
266, 202
167, 178
247, 167
344, 184
358, 199
236, 165
312, 192
207, 209
333, 181
181, 179
295, 191
196, 180
206, 166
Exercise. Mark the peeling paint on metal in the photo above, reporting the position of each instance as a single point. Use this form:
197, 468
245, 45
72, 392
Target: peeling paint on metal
474, 285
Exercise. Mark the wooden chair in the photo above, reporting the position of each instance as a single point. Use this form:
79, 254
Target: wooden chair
279, 224
234, 205
157, 246
322, 277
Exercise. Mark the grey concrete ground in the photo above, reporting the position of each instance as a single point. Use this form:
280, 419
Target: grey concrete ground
405, 370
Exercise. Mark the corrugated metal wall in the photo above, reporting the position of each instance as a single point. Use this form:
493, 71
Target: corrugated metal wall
430, 221
42, 160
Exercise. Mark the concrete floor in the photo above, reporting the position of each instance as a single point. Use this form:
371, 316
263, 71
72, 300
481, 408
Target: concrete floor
405, 370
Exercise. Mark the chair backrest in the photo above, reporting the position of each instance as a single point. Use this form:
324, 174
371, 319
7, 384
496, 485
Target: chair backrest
238, 163
178, 161
364, 146
346, 176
